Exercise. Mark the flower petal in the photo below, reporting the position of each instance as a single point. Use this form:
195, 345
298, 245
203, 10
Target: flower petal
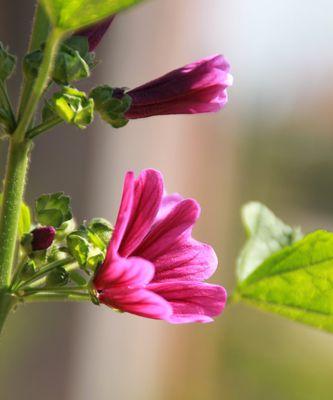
124, 214
171, 249
191, 302
137, 301
147, 199
188, 259
167, 204
131, 272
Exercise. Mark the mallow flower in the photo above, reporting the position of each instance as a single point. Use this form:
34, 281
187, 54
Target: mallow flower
153, 266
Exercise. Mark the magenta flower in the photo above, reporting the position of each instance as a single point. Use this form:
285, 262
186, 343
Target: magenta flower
199, 87
42, 237
95, 33
153, 267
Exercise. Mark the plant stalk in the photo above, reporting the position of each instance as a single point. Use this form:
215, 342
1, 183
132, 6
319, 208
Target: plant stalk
7, 301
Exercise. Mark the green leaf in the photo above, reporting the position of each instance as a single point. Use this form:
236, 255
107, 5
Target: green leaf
296, 282
77, 278
266, 233
53, 209
74, 14
25, 220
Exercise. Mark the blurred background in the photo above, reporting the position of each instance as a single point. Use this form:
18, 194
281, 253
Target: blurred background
272, 143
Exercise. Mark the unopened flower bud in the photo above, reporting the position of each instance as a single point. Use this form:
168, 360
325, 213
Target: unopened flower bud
57, 277
199, 87
42, 237
73, 106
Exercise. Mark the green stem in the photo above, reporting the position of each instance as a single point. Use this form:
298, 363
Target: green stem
17, 167
8, 105
45, 270
39, 34
45, 126
40, 83
7, 301
57, 296
17, 164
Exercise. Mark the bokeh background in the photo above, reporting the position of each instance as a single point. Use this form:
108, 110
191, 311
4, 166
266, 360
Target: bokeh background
273, 143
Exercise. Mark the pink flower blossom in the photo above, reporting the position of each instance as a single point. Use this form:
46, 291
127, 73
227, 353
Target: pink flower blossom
95, 33
199, 87
153, 267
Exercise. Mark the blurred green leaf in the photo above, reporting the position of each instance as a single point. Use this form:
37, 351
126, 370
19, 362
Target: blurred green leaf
266, 233
296, 282
25, 220
53, 209
74, 14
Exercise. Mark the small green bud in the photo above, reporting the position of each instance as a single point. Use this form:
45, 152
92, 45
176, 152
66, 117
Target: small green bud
58, 277
7, 63
73, 106
111, 104
69, 65
29, 269
65, 229
31, 63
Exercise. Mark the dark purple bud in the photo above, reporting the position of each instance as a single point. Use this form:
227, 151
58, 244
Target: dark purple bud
42, 237
199, 87
95, 33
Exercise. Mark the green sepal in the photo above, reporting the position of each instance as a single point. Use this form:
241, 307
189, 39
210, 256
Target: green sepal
86, 247
65, 229
111, 108
53, 209
57, 277
102, 229
7, 63
78, 247
72, 106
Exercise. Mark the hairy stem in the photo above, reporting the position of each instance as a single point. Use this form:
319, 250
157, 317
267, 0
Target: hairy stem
57, 296
38, 36
17, 164
7, 301
45, 126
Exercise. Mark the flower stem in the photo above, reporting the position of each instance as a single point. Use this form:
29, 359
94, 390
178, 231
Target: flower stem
57, 296
17, 164
43, 127
7, 301
45, 270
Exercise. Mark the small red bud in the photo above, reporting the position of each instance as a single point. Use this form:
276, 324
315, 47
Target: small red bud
42, 237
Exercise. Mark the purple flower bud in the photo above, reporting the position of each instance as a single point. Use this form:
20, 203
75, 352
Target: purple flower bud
95, 33
42, 237
199, 87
